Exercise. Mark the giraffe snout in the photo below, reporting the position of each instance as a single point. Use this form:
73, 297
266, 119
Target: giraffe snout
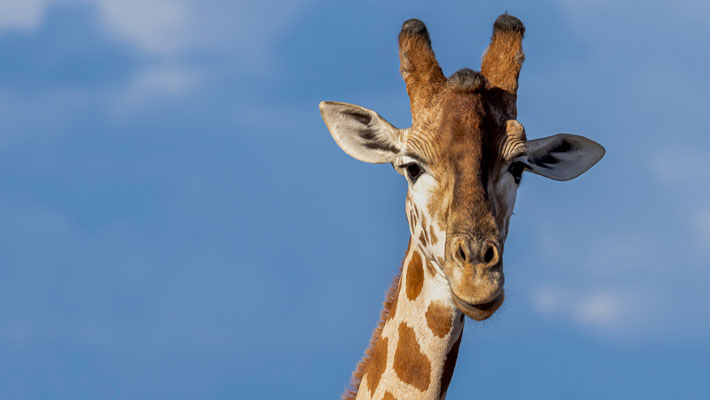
474, 269
484, 254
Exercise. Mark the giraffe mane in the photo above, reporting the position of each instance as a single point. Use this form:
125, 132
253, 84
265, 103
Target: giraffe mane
390, 297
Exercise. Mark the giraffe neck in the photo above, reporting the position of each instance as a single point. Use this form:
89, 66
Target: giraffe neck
413, 352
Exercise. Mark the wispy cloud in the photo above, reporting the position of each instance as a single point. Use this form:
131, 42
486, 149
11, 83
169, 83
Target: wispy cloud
153, 26
159, 27
631, 284
22, 15
171, 28
616, 312
153, 84
169, 38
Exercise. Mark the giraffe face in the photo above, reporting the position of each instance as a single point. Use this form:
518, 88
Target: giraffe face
463, 158
463, 170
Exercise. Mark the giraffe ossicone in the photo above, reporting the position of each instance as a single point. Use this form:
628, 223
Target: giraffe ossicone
463, 158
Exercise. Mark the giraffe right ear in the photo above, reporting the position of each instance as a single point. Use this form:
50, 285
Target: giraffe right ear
361, 132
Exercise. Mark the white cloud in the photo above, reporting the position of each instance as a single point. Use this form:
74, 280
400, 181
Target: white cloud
240, 35
171, 27
23, 15
641, 285
154, 84
615, 312
602, 310
154, 26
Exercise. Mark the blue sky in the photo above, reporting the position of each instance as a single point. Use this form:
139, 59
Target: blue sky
176, 222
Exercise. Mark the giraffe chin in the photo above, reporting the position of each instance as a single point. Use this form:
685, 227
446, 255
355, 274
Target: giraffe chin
479, 312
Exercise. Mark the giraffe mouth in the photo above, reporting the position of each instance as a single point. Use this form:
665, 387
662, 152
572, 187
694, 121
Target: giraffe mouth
479, 311
485, 306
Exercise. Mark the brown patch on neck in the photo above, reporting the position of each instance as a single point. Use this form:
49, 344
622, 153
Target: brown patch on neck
389, 396
411, 365
450, 365
415, 276
439, 318
377, 364
388, 307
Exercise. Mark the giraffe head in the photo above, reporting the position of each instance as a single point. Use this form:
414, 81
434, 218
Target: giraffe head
463, 158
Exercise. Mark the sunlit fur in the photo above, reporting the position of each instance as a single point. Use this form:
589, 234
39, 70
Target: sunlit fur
462, 143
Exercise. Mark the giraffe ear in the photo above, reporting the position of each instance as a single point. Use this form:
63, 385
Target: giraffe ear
361, 132
563, 157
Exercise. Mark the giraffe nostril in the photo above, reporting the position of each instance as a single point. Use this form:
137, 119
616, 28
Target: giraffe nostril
488, 256
462, 253
491, 258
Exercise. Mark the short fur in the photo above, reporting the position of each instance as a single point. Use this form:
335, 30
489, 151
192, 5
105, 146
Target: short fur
420, 70
411, 365
502, 62
465, 137
361, 369
467, 79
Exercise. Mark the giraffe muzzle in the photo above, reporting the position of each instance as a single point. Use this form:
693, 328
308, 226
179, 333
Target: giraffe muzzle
474, 269
479, 312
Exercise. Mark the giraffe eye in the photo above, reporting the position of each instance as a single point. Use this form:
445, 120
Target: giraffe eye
413, 171
516, 169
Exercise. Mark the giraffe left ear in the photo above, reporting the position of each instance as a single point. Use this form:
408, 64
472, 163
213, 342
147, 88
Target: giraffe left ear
563, 157
361, 132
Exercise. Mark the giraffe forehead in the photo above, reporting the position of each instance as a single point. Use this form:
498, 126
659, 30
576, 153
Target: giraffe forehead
455, 130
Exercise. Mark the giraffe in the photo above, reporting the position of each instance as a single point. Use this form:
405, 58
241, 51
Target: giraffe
463, 158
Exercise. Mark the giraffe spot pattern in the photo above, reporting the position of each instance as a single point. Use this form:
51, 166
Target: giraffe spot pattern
422, 238
389, 396
377, 364
434, 240
439, 318
415, 276
410, 364
424, 230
